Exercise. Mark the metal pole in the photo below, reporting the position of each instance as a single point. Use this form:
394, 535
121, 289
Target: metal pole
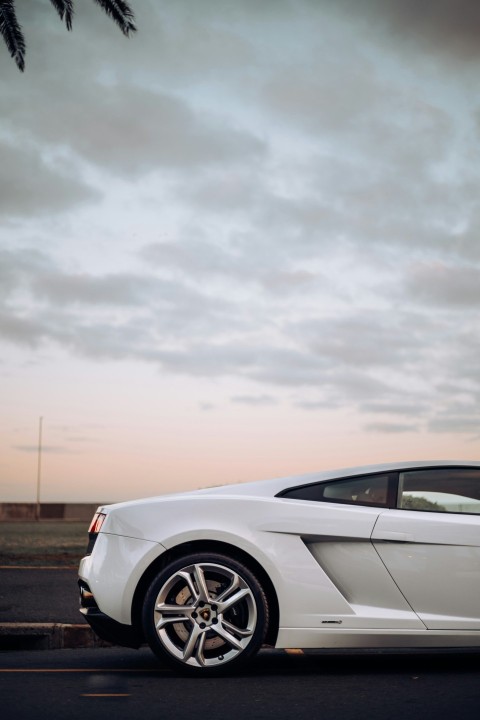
39, 468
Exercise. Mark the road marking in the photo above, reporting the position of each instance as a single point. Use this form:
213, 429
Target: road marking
105, 695
83, 670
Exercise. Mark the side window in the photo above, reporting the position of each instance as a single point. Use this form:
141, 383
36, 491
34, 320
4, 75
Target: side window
371, 490
454, 490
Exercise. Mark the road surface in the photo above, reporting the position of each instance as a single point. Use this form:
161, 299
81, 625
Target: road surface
128, 684
39, 595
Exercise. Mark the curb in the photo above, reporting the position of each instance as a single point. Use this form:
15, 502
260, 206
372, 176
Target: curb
48, 636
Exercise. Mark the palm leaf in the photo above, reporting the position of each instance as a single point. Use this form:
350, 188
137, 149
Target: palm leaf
65, 10
121, 13
12, 33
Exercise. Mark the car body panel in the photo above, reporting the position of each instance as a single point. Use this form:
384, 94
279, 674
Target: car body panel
375, 601
309, 638
114, 570
436, 563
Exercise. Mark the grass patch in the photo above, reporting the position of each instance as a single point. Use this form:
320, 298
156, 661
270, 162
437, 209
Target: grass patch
42, 543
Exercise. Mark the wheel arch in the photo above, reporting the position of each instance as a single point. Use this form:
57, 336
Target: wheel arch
208, 546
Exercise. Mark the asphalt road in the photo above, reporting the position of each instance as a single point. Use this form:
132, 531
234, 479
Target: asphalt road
39, 595
127, 684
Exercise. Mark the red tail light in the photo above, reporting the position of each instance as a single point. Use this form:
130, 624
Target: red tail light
96, 524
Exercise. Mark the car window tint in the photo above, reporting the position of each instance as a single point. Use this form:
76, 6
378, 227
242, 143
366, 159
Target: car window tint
454, 490
372, 490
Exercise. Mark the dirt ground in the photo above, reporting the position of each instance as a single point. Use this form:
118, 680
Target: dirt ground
45, 542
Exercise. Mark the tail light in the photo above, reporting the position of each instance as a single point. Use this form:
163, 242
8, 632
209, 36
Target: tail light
94, 529
96, 524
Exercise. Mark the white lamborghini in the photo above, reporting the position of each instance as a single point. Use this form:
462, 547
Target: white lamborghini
384, 556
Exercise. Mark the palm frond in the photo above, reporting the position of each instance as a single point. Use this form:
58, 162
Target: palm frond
12, 33
65, 10
121, 13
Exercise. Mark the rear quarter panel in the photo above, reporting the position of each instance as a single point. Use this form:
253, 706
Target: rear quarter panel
268, 529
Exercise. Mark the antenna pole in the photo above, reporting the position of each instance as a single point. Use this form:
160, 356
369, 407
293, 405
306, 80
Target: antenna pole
39, 469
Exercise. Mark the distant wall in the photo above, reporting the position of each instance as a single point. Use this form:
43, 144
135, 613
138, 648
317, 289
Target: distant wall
48, 511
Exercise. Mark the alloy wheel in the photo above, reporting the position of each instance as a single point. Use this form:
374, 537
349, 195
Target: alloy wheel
205, 614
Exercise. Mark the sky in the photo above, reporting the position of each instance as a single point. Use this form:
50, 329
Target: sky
242, 243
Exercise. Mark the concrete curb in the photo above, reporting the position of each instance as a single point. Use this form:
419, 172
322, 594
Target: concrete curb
48, 636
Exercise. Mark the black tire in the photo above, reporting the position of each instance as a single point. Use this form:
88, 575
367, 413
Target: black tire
205, 614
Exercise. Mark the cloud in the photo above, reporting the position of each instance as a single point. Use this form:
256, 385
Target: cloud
206, 406
50, 449
196, 258
320, 101
456, 424
451, 28
447, 285
373, 338
256, 400
19, 330
103, 114
409, 193
409, 409
132, 130
393, 428
201, 259
119, 289
303, 187
379, 361
313, 405
30, 185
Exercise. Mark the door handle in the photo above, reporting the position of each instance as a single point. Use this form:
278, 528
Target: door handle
393, 536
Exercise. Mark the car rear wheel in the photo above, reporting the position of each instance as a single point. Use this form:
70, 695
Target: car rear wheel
205, 612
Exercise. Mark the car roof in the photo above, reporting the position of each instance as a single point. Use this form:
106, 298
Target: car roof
267, 488
270, 488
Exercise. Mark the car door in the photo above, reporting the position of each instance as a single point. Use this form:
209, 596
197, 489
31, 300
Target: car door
335, 521
430, 545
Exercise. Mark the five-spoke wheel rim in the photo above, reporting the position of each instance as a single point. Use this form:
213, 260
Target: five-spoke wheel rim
205, 614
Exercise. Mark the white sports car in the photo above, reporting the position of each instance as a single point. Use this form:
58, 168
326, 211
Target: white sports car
372, 557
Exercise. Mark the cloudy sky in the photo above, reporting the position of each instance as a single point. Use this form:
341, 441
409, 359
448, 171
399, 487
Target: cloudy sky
243, 243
